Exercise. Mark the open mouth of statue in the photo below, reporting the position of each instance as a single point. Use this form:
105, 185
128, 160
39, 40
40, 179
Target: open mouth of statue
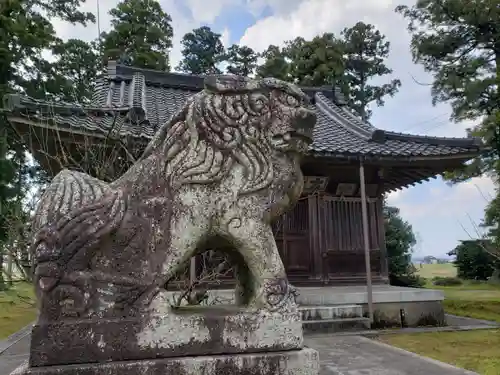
291, 141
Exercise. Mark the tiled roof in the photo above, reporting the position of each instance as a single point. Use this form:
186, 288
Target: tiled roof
134, 102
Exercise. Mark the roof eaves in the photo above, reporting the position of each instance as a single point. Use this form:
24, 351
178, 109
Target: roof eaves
326, 106
15, 103
397, 158
471, 142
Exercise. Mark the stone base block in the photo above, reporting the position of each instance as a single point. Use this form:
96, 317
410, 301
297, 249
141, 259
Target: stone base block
294, 362
187, 332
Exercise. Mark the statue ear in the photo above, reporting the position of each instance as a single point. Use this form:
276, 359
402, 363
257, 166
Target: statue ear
230, 83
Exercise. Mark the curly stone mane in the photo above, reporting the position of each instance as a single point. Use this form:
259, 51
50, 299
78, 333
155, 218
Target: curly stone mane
218, 127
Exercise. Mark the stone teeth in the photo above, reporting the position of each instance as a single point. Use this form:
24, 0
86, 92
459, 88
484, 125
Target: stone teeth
287, 137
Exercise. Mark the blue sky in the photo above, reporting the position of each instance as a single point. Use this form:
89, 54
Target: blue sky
440, 215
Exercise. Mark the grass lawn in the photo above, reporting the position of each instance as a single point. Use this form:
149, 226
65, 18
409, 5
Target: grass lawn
477, 351
17, 309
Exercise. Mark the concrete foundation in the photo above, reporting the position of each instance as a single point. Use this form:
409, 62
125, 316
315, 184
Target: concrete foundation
294, 362
393, 306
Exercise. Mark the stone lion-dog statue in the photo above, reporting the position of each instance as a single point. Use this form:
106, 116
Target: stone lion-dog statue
224, 167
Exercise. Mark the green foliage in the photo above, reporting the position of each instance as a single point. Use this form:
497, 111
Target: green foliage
25, 32
316, 62
459, 42
275, 64
446, 281
142, 31
400, 240
8, 174
364, 51
242, 60
202, 51
472, 260
492, 222
72, 76
350, 62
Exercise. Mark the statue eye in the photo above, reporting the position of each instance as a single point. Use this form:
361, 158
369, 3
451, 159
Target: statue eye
292, 101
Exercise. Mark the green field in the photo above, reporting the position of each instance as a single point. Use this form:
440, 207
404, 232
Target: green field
436, 270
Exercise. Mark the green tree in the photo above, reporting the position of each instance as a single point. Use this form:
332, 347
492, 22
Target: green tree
399, 240
472, 260
364, 51
492, 223
275, 64
25, 32
202, 51
142, 31
315, 62
71, 77
458, 42
242, 60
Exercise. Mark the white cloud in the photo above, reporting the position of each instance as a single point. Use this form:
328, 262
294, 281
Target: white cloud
204, 12
443, 201
256, 7
226, 37
312, 17
442, 215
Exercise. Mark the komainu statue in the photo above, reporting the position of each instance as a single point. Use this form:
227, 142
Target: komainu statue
224, 167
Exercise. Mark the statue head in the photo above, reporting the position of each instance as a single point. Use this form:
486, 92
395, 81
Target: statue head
252, 122
274, 109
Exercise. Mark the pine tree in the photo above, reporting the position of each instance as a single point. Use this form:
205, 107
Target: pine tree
242, 60
202, 52
142, 31
364, 51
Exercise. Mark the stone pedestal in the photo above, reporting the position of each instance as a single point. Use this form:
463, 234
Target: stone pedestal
190, 331
217, 340
294, 362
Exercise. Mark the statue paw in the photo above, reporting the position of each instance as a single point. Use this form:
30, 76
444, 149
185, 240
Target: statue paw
47, 276
278, 293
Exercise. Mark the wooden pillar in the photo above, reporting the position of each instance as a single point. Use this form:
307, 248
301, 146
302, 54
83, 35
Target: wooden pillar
314, 238
366, 238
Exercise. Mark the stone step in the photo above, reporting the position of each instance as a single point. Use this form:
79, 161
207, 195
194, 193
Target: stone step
311, 312
335, 325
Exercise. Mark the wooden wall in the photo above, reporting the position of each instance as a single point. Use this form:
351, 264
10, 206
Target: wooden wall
321, 240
